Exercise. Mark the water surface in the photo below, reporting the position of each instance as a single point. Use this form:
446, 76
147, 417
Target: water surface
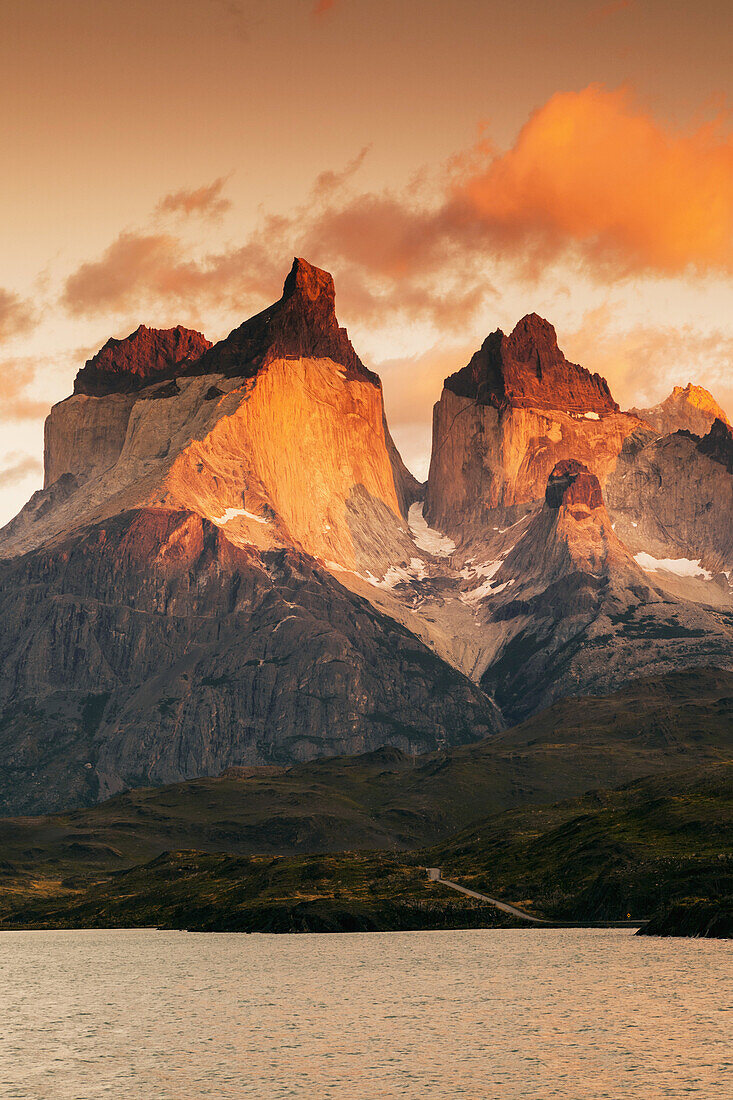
577, 1014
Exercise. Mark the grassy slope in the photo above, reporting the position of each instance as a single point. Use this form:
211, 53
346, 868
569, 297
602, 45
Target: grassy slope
655, 842
385, 800
608, 854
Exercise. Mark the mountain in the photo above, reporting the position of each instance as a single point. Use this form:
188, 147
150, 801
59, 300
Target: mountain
228, 432
167, 609
572, 612
229, 564
692, 409
506, 419
671, 499
147, 355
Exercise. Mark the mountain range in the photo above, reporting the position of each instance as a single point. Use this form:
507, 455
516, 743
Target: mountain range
229, 564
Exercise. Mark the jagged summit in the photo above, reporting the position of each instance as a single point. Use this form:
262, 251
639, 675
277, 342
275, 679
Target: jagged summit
302, 324
147, 355
527, 370
718, 444
689, 408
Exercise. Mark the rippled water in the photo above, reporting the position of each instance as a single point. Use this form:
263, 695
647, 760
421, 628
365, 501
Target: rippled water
480, 1014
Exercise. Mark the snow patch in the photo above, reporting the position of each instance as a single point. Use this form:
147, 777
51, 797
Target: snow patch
681, 567
397, 574
487, 569
432, 542
592, 416
486, 589
233, 513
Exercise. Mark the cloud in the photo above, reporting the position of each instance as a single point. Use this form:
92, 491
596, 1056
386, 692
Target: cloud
16, 375
601, 12
321, 7
643, 362
205, 202
330, 181
147, 270
16, 315
21, 466
591, 181
591, 172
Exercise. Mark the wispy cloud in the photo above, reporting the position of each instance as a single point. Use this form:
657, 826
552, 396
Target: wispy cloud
16, 315
321, 7
19, 467
16, 402
591, 180
600, 12
205, 202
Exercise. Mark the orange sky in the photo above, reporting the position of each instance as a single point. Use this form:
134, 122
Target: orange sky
455, 165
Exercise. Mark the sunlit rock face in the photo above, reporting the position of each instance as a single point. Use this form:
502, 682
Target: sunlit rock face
302, 324
505, 420
690, 408
527, 370
84, 436
277, 434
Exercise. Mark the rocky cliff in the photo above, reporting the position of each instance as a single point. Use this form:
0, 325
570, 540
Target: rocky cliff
506, 419
146, 355
277, 433
691, 409
671, 500
570, 610
149, 648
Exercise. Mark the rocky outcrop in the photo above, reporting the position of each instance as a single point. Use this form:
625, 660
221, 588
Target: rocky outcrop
505, 420
84, 436
301, 325
572, 486
671, 500
149, 649
570, 612
146, 355
718, 444
527, 370
691, 409
230, 565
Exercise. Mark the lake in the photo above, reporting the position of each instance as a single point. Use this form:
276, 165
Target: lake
571, 1013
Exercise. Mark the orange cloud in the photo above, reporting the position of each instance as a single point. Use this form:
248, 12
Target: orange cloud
16, 315
204, 201
591, 179
21, 467
320, 7
590, 171
147, 270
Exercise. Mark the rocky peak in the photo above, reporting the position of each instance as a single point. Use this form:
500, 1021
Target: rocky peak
718, 444
302, 324
527, 370
313, 282
570, 485
688, 408
146, 355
